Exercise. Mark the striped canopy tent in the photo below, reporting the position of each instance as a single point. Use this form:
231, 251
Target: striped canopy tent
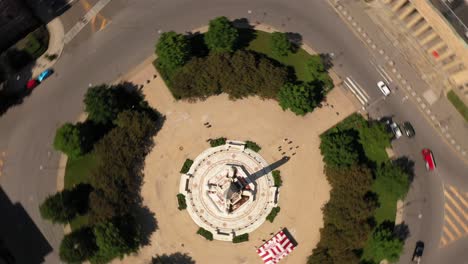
276, 248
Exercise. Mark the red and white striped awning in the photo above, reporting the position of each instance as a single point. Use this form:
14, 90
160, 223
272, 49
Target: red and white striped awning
276, 248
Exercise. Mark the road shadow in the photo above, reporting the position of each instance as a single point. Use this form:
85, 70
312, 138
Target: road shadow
327, 60
175, 258
21, 240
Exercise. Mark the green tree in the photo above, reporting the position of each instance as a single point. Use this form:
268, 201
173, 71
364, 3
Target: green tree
116, 238
392, 179
299, 98
173, 50
374, 138
222, 36
78, 246
101, 104
340, 149
69, 140
59, 207
319, 73
280, 44
384, 245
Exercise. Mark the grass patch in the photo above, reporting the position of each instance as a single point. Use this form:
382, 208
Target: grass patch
252, 145
458, 103
186, 167
272, 215
78, 170
35, 43
387, 201
297, 60
241, 238
79, 221
181, 201
205, 233
277, 178
217, 142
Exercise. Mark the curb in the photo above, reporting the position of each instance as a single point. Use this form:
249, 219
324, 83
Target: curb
56, 45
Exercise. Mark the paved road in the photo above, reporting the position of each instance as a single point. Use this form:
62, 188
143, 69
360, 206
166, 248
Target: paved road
26, 131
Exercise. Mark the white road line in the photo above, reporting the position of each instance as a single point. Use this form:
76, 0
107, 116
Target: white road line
362, 90
85, 20
354, 92
385, 73
358, 90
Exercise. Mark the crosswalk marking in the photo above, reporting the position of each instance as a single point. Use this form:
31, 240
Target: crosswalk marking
452, 225
357, 90
459, 196
455, 218
448, 233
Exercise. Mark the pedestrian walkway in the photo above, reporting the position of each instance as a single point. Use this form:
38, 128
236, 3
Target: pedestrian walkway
399, 59
455, 217
56, 34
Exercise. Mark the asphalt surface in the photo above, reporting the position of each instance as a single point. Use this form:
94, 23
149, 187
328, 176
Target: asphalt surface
26, 131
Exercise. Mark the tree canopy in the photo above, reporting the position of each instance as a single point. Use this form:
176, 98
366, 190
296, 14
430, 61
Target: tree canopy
101, 104
280, 44
69, 140
78, 246
384, 245
222, 36
319, 72
393, 179
340, 149
299, 98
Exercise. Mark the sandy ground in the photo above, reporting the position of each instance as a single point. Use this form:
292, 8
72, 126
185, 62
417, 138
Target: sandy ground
304, 190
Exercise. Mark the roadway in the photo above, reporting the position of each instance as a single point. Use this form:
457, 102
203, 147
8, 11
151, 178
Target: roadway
26, 131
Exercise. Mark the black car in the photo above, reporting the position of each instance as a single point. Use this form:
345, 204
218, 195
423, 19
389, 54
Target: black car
418, 251
409, 130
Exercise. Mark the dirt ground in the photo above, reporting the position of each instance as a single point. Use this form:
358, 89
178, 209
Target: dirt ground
183, 135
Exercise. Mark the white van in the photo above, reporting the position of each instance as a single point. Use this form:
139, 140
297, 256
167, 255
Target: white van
383, 88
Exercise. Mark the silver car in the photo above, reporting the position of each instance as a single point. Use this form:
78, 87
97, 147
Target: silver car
395, 129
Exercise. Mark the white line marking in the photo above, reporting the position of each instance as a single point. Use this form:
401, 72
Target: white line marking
357, 89
85, 20
354, 92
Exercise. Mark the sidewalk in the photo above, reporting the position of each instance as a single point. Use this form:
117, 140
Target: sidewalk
409, 66
56, 36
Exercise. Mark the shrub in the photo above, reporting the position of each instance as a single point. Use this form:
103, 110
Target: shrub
222, 36
58, 208
173, 51
240, 238
186, 167
205, 233
181, 201
78, 245
115, 238
252, 145
299, 98
384, 245
51, 57
277, 178
319, 73
217, 142
272, 215
280, 44
69, 140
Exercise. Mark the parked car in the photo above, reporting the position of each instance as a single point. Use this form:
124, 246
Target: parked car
418, 252
428, 159
43, 75
383, 88
395, 129
31, 84
409, 130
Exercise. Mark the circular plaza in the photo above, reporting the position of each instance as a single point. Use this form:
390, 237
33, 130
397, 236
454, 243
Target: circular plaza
229, 190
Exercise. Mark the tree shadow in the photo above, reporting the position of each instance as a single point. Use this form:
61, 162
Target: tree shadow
246, 36
147, 222
20, 239
327, 60
48, 10
175, 258
197, 44
402, 231
295, 39
406, 165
